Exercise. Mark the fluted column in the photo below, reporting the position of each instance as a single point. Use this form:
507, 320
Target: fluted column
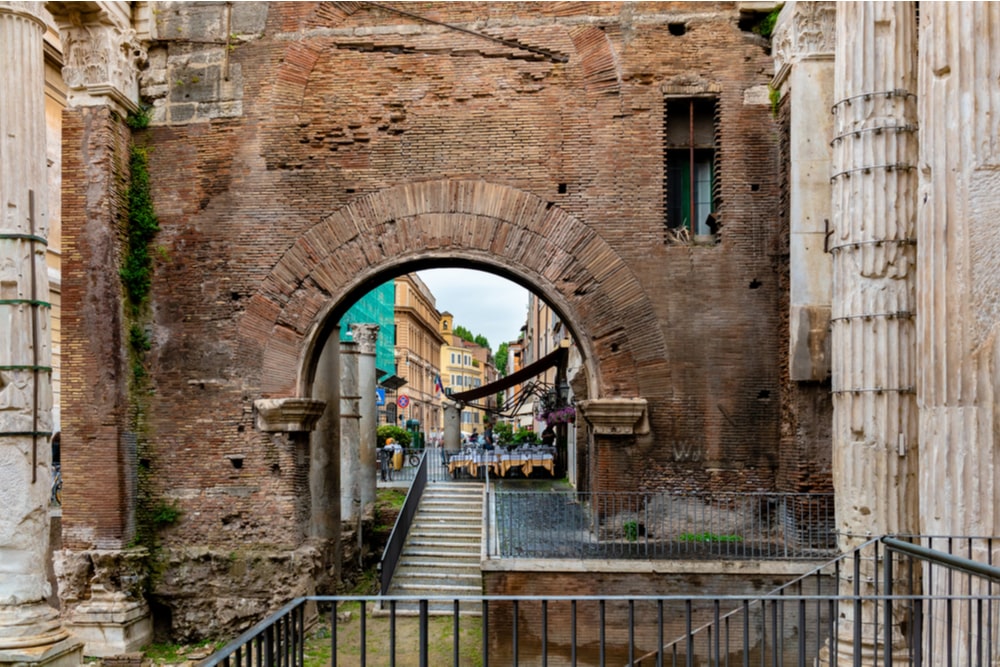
366, 336
350, 433
30, 631
875, 426
958, 384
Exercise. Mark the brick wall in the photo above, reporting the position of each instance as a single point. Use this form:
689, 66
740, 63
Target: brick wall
372, 143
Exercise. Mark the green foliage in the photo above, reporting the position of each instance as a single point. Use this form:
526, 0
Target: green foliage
503, 433
137, 338
631, 529
139, 120
397, 433
766, 25
166, 514
463, 333
774, 95
481, 341
136, 271
524, 436
500, 359
708, 537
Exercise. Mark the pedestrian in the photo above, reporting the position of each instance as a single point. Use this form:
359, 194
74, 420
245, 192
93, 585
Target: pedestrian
548, 436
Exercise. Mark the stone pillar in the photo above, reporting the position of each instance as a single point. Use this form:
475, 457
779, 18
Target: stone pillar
803, 43
350, 434
957, 343
324, 445
366, 336
30, 632
875, 426
100, 54
452, 441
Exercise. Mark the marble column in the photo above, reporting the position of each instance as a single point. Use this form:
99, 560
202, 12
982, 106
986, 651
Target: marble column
875, 422
30, 630
350, 433
959, 314
366, 336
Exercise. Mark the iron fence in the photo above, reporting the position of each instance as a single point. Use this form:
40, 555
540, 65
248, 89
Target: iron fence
569, 524
881, 603
437, 469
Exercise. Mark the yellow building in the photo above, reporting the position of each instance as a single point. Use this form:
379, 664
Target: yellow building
464, 366
418, 351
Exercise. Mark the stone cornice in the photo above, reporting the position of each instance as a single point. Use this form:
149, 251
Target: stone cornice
287, 414
616, 416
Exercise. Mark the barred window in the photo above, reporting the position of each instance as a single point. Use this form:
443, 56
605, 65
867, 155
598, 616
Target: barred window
691, 174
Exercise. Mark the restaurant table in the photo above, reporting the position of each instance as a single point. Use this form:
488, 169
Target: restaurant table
501, 462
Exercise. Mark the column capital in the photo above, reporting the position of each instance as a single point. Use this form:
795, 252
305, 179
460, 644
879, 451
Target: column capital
804, 30
288, 414
616, 416
366, 336
101, 52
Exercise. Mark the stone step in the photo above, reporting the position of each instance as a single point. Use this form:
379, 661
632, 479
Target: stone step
437, 552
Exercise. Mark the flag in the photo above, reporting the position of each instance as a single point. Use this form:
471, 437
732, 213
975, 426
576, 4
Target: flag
437, 384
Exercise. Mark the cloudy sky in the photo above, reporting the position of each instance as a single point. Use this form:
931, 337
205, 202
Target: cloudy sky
481, 302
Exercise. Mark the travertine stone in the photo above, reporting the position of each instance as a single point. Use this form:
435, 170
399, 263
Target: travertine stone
874, 287
30, 632
350, 433
803, 47
366, 336
959, 265
324, 455
288, 414
102, 55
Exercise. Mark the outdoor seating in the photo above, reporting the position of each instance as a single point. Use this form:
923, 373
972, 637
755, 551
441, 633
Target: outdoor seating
502, 462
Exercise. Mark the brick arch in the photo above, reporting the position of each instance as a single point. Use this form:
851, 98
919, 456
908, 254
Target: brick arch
483, 224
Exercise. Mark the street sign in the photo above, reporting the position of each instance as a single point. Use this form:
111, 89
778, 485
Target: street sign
403, 400
379, 395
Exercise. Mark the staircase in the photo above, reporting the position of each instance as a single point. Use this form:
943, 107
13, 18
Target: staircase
442, 552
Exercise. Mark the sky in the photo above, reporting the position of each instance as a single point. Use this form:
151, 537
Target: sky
481, 302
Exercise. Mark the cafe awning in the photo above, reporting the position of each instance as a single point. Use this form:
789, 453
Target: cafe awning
555, 358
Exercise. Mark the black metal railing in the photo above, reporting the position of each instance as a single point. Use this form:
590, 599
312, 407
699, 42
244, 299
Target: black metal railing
437, 469
883, 603
623, 525
397, 538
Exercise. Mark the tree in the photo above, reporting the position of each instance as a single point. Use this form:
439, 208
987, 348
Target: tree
500, 358
481, 341
463, 333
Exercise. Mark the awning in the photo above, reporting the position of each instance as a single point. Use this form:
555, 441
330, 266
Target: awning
392, 382
551, 359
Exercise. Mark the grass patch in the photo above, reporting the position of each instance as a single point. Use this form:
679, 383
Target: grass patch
171, 654
440, 644
708, 537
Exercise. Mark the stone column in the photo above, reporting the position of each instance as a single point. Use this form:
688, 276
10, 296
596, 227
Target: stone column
324, 445
452, 441
366, 336
350, 433
30, 632
613, 424
803, 44
959, 207
875, 427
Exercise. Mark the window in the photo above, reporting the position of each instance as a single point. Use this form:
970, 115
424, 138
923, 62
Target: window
691, 174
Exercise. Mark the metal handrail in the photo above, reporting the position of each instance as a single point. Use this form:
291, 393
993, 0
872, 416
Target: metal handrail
397, 538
